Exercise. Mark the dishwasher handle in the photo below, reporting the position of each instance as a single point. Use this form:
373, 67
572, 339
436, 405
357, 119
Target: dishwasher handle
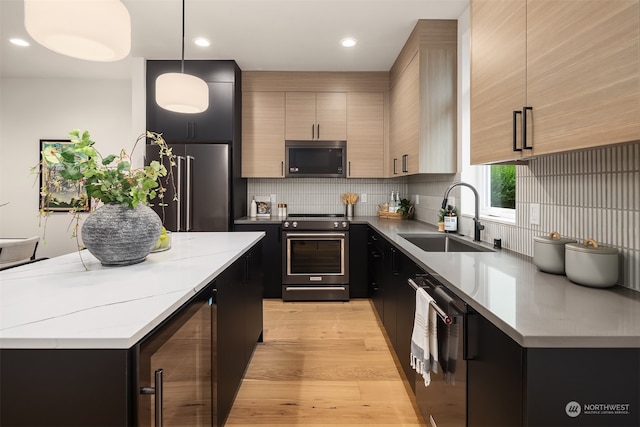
441, 313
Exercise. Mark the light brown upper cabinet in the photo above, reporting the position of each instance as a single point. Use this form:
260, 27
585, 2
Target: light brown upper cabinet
263, 134
551, 76
423, 101
316, 116
365, 134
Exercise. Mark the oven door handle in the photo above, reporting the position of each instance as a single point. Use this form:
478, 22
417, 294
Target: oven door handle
295, 235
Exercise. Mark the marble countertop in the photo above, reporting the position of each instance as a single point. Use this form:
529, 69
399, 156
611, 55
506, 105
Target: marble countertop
535, 309
56, 303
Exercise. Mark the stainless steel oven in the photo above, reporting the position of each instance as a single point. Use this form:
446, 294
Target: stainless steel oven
315, 259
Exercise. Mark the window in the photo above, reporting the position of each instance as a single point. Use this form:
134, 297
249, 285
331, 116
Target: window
499, 195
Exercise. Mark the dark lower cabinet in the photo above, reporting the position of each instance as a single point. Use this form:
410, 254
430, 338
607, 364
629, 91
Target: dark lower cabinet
358, 273
376, 262
238, 325
509, 385
494, 373
196, 358
271, 256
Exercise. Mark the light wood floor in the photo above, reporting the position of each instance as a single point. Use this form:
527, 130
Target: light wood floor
323, 364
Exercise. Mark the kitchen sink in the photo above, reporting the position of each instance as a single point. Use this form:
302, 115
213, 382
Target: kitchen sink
443, 243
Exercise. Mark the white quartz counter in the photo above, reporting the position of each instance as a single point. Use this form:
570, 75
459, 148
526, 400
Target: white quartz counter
55, 303
535, 309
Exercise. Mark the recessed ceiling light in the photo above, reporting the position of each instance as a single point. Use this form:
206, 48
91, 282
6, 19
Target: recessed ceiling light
19, 42
200, 41
348, 42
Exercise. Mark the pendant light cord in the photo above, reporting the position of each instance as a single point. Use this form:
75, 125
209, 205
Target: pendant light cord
182, 64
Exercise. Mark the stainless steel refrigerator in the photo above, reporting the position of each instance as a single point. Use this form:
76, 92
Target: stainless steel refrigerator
210, 195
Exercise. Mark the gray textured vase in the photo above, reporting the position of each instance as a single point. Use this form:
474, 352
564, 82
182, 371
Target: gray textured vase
118, 235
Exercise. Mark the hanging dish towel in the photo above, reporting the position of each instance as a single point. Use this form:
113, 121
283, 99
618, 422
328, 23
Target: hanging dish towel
424, 339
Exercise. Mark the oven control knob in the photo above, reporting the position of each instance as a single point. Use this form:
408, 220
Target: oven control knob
286, 224
344, 224
335, 224
295, 224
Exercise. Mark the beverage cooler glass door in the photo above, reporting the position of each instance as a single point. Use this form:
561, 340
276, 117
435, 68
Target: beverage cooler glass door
175, 381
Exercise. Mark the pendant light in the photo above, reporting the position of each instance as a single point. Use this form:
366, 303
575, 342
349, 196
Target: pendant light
180, 92
94, 30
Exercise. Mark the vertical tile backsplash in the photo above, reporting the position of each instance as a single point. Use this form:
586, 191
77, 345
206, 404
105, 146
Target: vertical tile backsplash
322, 195
585, 194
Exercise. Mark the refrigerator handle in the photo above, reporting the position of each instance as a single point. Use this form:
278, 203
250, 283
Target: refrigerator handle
189, 202
179, 188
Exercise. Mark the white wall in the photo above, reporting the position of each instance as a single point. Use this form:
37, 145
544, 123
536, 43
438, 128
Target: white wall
34, 109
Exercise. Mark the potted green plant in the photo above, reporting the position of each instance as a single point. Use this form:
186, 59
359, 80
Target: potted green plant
441, 214
405, 208
124, 229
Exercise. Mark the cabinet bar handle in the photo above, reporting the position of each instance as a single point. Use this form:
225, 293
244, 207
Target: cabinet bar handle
313, 131
515, 131
405, 158
179, 188
158, 397
157, 391
281, 168
190, 160
395, 172
524, 127
349, 169
318, 131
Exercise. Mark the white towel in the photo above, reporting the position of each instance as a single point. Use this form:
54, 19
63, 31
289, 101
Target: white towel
424, 339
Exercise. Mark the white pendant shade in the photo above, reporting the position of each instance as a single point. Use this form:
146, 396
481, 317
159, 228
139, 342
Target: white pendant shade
182, 93
95, 30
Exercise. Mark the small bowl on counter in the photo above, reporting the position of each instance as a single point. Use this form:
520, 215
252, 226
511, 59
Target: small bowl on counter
163, 243
590, 264
549, 252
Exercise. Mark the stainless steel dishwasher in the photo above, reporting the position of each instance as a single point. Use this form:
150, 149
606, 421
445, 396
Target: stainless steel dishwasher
443, 402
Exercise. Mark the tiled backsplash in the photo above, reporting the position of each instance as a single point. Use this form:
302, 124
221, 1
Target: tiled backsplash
587, 194
322, 195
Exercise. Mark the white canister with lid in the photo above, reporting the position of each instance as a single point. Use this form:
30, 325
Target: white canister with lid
592, 265
549, 252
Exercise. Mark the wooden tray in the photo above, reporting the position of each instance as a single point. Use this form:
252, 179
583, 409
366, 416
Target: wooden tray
392, 215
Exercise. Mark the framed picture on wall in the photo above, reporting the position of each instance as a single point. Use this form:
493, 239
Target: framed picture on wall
58, 194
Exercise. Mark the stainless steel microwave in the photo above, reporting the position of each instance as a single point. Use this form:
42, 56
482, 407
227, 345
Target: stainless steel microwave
315, 159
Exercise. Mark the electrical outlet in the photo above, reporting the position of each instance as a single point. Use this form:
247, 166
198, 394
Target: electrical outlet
416, 199
363, 197
273, 199
534, 213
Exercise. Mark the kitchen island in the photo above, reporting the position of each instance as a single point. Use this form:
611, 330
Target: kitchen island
78, 346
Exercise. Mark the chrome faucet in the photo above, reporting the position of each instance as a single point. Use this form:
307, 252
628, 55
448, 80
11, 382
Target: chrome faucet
477, 226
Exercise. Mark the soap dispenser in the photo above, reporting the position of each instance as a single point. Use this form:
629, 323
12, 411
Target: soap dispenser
254, 209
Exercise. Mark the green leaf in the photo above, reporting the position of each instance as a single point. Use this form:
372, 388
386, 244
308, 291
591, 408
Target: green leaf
107, 160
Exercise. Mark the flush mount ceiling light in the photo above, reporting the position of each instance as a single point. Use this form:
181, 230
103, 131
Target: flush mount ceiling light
348, 42
201, 41
19, 42
94, 30
180, 92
